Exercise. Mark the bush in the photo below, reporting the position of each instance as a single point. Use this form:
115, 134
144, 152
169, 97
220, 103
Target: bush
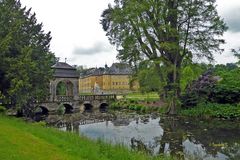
144, 109
225, 94
226, 111
2, 109
61, 109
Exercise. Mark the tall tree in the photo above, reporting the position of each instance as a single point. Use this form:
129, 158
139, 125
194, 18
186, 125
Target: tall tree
237, 54
166, 32
26, 61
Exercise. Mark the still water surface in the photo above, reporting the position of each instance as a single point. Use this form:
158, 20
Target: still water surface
183, 138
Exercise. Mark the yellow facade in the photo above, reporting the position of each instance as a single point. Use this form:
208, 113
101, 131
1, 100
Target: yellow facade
107, 83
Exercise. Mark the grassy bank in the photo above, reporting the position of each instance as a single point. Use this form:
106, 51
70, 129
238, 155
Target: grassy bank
213, 110
25, 141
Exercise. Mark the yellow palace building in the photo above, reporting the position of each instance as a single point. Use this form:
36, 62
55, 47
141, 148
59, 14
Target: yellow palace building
114, 79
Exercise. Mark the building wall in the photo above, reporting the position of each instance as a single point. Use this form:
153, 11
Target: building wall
120, 82
86, 84
107, 83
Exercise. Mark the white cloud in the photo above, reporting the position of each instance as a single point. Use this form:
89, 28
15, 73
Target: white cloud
75, 27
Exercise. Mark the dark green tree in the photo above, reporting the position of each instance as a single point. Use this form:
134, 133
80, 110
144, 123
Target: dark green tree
25, 68
166, 32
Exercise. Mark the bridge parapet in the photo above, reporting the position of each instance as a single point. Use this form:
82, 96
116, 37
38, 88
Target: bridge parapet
64, 98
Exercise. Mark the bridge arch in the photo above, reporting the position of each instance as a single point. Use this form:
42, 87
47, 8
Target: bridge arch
88, 107
68, 108
40, 113
41, 110
103, 107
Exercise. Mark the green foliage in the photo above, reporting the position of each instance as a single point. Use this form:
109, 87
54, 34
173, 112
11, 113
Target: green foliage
134, 105
26, 61
221, 86
237, 54
148, 78
61, 109
37, 142
2, 109
227, 111
162, 110
61, 88
227, 90
230, 75
190, 73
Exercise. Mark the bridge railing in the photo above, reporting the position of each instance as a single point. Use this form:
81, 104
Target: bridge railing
64, 98
97, 97
81, 98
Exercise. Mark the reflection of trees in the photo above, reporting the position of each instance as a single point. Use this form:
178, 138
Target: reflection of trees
140, 146
72, 127
214, 136
173, 135
233, 151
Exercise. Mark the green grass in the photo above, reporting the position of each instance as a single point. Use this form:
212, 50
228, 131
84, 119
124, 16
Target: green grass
146, 96
26, 141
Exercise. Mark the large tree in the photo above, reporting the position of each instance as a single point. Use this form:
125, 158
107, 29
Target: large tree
25, 67
165, 32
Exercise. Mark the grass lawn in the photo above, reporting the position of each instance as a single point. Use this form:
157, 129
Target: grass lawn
26, 141
153, 96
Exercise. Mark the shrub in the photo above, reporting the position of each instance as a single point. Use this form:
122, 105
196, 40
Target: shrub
226, 111
2, 109
144, 109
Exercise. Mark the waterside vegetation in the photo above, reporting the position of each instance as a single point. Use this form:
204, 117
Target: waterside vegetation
213, 110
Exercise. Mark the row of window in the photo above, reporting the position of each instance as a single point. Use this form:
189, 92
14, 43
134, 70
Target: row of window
120, 83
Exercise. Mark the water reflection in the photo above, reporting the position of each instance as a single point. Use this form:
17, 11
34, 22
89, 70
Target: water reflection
185, 139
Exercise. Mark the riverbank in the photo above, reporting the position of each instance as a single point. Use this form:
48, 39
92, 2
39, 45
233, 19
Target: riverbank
23, 141
213, 110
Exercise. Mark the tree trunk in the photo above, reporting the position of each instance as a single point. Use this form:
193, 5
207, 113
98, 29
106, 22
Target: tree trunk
173, 86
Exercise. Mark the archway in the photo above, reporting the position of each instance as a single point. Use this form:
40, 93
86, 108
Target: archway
64, 88
40, 113
45, 111
103, 107
68, 108
41, 110
88, 107
61, 89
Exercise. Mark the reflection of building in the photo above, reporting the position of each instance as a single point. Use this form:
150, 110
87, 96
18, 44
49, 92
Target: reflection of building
121, 122
108, 80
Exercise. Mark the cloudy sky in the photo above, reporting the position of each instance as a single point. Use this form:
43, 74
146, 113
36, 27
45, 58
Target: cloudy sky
78, 36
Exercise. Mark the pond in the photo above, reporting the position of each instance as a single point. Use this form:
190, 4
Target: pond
183, 138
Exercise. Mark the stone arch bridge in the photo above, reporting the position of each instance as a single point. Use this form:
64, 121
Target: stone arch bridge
84, 103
